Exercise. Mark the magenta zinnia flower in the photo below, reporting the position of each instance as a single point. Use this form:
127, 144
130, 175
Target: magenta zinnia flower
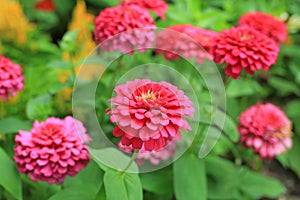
159, 7
11, 78
135, 24
266, 24
185, 40
149, 114
244, 47
52, 150
266, 129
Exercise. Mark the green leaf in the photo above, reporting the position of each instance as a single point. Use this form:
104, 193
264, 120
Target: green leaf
10, 178
257, 185
113, 158
291, 159
294, 68
68, 42
242, 87
292, 109
153, 181
190, 178
91, 175
222, 181
177, 17
78, 192
230, 128
123, 186
60, 65
194, 8
13, 125
39, 108
283, 86
101, 194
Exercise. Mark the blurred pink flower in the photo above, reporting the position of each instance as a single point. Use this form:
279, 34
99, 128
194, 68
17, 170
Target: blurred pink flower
149, 114
266, 24
185, 40
154, 157
52, 150
11, 78
266, 129
244, 47
159, 7
135, 24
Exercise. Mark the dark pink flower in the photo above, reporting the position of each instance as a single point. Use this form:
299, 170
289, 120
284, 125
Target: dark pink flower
244, 47
266, 24
135, 24
52, 150
159, 7
185, 40
149, 114
11, 78
266, 129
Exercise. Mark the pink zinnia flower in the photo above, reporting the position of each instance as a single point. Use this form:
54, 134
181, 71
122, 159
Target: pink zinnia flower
244, 47
52, 150
266, 24
159, 7
154, 157
185, 40
135, 24
149, 114
266, 129
11, 78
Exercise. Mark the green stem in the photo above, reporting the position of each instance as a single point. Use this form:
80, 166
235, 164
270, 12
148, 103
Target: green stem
198, 137
117, 69
73, 65
1, 109
133, 157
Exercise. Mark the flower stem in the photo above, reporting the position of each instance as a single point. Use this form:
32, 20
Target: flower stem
198, 137
1, 109
73, 70
133, 157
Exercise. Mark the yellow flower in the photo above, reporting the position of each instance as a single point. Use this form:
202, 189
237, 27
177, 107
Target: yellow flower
84, 43
13, 23
81, 19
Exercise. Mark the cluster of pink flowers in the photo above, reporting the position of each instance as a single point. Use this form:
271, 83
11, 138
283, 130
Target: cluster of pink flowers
11, 78
266, 24
252, 46
159, 7
133, 21
266, 129
52, 149
244, 48
149, 114
187, 41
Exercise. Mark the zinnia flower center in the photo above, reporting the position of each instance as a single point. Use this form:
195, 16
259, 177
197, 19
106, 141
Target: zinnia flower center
281, 132
245, 37
148, 96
